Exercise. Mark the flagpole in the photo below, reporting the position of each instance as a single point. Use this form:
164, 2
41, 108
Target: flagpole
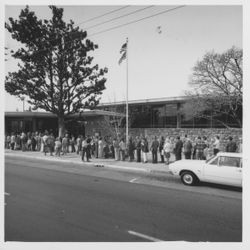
127, 96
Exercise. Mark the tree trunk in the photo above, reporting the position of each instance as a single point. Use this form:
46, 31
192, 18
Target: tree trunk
61, 126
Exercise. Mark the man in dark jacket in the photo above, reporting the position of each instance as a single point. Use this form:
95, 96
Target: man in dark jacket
231, 145
187, 146
138, 149
131, 148
178, 148
154, 148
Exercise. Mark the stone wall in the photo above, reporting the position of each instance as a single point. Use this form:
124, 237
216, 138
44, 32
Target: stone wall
100, 125
191, 133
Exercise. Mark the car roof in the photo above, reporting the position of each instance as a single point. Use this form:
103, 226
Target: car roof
230, 154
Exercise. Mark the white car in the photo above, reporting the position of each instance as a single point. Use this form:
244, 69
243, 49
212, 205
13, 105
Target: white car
224, 168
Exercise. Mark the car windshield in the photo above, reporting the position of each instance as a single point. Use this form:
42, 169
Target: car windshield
212, 157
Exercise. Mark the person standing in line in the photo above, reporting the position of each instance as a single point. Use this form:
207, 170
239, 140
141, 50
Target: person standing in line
167, 148
45, 142
178, 148
209, 152
18, 142
88, 149
51, 143
92, 146
29, 146
194, 148
145, 150
131, 148
112, 150
21, 140
161, 146
12, 141
200, 146
84, 148
231, 145
42, 144
138, 149
24, 141
96, 140
154, 149
78, 144
72, 143
33, 142
116, 149
187, 148
206, 149
67, 142
38, 141
8, 140
65, 145
100, 148
106, 150
122, 149
58, 147
216, 145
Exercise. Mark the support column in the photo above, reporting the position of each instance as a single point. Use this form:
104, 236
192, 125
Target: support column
34, 121
178, 125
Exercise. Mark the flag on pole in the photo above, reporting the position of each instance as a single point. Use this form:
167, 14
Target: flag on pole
123, 51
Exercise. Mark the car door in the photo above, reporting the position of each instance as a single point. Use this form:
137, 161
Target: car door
212, 172
224, 170
231, 168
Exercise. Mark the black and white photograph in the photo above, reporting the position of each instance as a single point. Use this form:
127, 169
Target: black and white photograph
122, 124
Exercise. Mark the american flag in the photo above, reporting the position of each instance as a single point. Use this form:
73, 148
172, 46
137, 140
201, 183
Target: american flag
123, 51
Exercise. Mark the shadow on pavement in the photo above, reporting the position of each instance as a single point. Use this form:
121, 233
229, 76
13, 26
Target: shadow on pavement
220, 186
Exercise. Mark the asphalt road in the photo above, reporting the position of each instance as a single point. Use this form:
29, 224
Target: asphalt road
51, 202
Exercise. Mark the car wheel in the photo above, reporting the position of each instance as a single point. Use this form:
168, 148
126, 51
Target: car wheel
188, 178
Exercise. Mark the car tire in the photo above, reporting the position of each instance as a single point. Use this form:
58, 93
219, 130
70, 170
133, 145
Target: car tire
188, 178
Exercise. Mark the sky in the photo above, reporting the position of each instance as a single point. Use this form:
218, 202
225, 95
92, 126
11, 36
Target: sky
162, 50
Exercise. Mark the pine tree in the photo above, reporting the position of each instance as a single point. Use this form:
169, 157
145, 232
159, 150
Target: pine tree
55, 73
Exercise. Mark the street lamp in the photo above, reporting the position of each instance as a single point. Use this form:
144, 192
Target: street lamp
23, 99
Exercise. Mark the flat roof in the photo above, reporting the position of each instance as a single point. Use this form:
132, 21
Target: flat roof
86, 113
145, 101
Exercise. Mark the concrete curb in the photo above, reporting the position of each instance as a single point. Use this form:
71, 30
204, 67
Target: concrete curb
95, 164
128, 168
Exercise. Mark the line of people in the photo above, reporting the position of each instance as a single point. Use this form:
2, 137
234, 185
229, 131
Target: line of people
137, 148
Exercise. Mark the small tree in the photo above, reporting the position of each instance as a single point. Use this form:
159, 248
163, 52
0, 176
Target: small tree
55, 72
217, 86
114, 123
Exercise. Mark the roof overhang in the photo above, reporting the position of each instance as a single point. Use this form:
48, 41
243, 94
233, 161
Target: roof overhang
148, 101
86, 113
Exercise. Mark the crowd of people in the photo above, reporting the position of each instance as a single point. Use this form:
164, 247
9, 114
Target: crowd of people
137, 149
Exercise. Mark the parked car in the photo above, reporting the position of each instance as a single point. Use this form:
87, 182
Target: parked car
224, 168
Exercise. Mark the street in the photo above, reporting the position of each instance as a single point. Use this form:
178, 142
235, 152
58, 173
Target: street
55, 202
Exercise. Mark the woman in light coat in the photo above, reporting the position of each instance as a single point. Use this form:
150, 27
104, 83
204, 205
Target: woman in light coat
100, 148
167, 148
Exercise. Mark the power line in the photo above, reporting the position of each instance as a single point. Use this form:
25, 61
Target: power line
94, 18
105, 14
110, 20
119, 26
136, 21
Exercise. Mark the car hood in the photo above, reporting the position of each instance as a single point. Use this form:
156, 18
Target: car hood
187, 163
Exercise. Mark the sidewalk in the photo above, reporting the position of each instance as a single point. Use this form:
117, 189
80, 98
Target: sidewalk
159, 168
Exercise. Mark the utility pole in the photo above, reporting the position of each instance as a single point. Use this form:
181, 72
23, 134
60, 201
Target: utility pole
127, 96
